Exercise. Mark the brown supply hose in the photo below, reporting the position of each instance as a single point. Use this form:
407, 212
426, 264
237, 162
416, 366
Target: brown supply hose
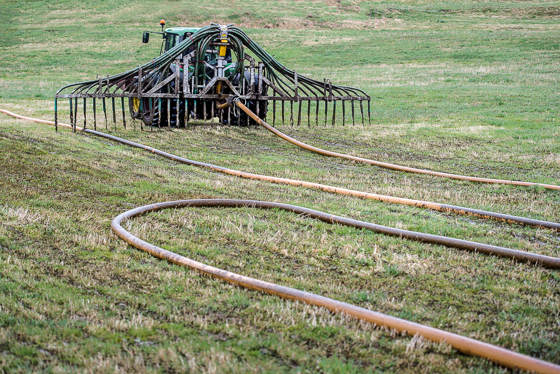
546, 261
318, 186
466, 345
463, 344
384, 164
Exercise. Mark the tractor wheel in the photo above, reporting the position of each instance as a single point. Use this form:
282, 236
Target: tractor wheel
134, 107
175, 122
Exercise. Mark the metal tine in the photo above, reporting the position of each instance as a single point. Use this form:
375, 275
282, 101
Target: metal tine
71, 112
112, 102
291, 112
353, 121
152, 113
139, 87
94, 115
204, 111
259, 87
221, 116
195, 90
334, 112
317, 113
123, 115
362, 110
160, 117
141, 110
229, 115
168, 114
273, 112
105, 112
176, 112
239, 119
299, 114
177, 92
283, 122
84, 113
369, 110
114, 113
75, 113
186, 113
343, 112
248, 119
100, 90
258, 105
213, 112
308, 113
55, 114
326, 112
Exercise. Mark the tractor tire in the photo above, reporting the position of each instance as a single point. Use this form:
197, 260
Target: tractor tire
134, 107
175, 122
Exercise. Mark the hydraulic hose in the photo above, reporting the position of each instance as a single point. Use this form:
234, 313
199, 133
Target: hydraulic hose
546, 261
385, 164
463, 344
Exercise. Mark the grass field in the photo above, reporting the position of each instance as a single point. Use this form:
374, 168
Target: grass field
457, 86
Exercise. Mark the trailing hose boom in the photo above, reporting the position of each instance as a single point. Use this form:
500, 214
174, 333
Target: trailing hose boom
198, 71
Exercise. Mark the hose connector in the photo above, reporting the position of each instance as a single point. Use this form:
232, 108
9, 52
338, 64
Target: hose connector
231, 102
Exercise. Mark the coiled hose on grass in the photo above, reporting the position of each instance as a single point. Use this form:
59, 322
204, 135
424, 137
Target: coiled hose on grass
466, 345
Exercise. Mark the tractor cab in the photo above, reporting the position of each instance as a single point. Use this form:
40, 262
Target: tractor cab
171, 36
175, 35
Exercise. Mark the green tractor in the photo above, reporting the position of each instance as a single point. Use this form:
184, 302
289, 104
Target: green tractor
212, 57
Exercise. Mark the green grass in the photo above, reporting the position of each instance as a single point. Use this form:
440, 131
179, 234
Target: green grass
457, 86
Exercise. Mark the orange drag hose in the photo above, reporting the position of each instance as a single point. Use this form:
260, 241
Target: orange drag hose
546, 261
298, 183
463, 344
384, 164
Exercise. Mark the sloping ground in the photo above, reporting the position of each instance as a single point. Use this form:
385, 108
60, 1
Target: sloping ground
75, 296
459, 96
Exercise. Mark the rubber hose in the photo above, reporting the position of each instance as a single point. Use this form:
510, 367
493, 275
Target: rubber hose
546, 261
384, 164
463, 344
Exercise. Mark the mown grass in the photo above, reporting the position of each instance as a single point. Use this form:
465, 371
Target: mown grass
474, 93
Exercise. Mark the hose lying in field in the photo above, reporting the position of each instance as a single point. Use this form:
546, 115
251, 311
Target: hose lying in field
384, 164
546, 261
322, 187
463, 344
466, 345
